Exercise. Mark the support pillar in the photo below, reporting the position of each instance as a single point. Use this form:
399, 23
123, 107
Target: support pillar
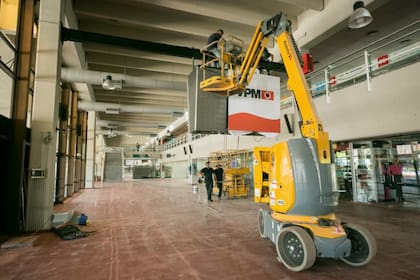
41, 181
90, 150
72, 145
83, 151
78, 158
62, 145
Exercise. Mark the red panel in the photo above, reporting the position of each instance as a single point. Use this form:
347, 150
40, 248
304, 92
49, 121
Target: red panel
333, 80
383, 60
249, 122
308, 64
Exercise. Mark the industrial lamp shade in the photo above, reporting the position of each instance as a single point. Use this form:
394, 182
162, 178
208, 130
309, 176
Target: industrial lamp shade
360, 17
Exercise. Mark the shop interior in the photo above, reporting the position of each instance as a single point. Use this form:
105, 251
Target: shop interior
361, 165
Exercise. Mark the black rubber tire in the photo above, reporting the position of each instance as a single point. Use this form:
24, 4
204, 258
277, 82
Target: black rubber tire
363, 245
295, 248
261, 223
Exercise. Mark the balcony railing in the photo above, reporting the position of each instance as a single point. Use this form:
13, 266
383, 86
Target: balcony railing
396, 50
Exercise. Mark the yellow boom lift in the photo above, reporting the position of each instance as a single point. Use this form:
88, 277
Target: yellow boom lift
296, 178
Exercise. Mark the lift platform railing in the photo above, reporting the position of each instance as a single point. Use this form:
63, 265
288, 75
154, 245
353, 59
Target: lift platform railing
224, 71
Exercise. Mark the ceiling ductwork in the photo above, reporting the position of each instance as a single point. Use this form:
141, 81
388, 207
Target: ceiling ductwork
115, 81
114, 124
113, 132
113, 108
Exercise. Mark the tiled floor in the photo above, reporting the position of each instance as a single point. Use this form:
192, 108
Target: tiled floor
159, 229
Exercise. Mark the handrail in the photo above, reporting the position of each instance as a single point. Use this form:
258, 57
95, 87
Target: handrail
395, 56
7, 41
374, 42
7, 70
373, 50
3, 65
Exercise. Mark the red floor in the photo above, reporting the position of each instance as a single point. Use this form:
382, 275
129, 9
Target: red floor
159, 229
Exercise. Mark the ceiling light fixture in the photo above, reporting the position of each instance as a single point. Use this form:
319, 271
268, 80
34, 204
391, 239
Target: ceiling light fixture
109, 84
112, 111
405, 41
372, 33
360, 17
178, 114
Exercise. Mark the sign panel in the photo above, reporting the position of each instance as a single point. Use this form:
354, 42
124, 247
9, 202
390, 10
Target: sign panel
404, 149
206, 111
257, 109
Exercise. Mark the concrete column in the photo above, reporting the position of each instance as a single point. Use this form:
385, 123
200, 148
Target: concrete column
100, 147
62, 145
78, 158
90, 150
41, 181
83, 150
72, 145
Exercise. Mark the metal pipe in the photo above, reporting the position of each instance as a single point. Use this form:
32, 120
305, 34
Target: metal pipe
118, 108
178, 51
104, 123
97, 78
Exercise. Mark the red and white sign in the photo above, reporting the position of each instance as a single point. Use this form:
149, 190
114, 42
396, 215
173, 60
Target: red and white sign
257, 109
383, 60
333, 80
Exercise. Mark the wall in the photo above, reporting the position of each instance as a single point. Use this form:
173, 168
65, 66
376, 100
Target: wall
99, 157
392, 107
113, 167
201, 149
204, 146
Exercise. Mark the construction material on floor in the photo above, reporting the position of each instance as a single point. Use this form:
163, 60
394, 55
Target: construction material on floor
20, 242
69, 232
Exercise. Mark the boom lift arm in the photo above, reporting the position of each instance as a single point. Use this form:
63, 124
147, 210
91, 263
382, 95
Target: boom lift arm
279, 27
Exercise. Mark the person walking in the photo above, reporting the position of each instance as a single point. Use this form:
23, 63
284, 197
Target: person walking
208, 174
220, 175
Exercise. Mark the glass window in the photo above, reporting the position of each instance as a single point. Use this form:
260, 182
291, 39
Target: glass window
8, 15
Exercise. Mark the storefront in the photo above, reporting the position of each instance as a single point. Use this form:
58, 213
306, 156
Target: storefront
361, 166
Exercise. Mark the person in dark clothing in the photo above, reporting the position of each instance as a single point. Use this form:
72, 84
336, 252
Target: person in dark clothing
219, 172
212, 43
208, 174
387, 181
395, 170
265, 56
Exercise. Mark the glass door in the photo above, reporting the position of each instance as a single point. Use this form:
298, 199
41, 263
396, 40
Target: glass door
342, 153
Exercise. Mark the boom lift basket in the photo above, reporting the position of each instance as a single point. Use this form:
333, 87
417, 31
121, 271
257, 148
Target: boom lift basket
227, 67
